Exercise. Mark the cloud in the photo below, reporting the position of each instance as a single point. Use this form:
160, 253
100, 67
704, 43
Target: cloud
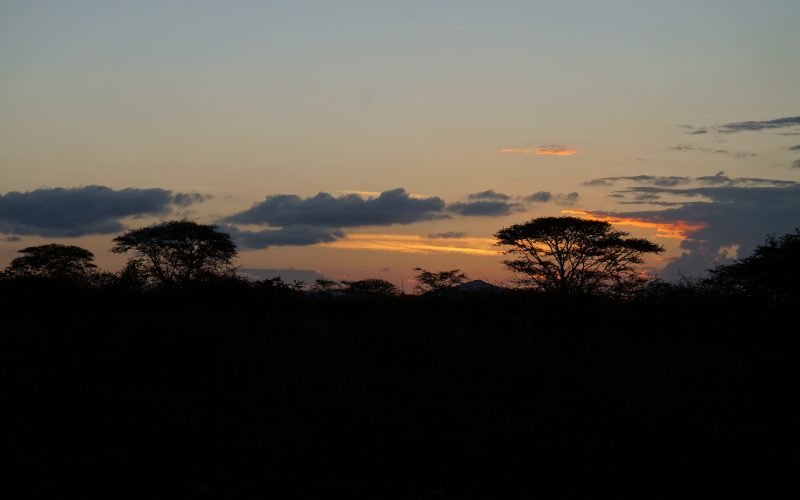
752, 126
285, 236
547, 196
186, 199
646, 198
484, 208
69, 212
487, 203
656, 180
720, 178
489, 194
730, 215
795, 148
12, 238
350, 210
796, 164
292, 220
602, 181
567, 198
539, 197
696, 147
547, 150
748, 126
449, 235
321, 219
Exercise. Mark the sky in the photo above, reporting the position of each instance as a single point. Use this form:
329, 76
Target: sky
357, 139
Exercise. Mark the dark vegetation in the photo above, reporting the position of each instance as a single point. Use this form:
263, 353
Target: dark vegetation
187, 381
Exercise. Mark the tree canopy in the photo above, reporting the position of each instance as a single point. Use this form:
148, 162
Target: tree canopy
436, 281
574, 256
53, 261
177, 253
771, 272
371, 287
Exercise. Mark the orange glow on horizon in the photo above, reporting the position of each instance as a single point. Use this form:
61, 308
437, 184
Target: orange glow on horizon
410, 243
550, 150
675, 229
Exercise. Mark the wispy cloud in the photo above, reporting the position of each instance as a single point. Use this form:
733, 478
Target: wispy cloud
559, 198
722, 179
546, 150
414, 244
657, 180
718, 179
716, 151
748, 126
448, 235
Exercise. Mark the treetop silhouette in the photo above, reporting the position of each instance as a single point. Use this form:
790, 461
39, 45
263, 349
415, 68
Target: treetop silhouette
437, 281
771, 272
53, 261
574, 256
177, 253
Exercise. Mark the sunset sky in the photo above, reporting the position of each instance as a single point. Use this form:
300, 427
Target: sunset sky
357, 139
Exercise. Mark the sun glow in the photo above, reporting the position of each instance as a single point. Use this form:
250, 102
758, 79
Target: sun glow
403, 243
664, 229
549, 150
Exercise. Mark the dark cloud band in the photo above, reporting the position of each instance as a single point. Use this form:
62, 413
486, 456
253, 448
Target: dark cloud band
69, 212
351, 210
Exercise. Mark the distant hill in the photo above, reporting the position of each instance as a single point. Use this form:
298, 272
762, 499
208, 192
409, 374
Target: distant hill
478, 286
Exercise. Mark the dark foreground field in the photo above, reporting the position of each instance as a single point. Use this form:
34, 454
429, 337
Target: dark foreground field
260, 396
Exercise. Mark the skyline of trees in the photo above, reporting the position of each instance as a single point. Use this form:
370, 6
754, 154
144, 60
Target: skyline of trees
562, 255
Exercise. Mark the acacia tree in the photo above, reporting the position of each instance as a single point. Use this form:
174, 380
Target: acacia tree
436, 281
325, 285
574, 256
177, 253
371, 287
53, 261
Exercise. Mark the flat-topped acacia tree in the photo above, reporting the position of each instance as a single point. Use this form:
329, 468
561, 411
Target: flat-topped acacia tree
574, 256
428, 281
177, 253
53, 261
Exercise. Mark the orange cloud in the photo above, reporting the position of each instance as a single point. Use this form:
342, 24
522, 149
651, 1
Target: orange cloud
666, 229
549, 150
408, 243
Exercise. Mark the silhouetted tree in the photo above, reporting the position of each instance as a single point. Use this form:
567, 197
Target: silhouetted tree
176, 253
325, 285
298, 285
371, 286
53, 261
572, 256
435, 282
772, 272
